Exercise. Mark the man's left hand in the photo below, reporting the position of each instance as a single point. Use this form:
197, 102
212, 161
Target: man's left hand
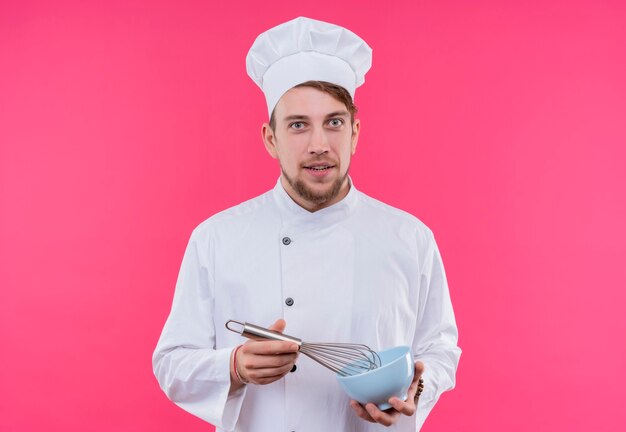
371, 413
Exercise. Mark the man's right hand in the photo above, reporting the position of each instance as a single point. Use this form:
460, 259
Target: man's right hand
264, 361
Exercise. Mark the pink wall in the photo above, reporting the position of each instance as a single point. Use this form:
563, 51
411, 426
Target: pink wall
500, 124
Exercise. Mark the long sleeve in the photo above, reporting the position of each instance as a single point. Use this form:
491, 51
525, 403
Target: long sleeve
436, 336
190, 370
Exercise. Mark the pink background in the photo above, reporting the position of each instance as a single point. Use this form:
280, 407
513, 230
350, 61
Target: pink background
501, 125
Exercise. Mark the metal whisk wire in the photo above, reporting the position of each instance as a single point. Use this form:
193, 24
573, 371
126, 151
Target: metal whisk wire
345, 359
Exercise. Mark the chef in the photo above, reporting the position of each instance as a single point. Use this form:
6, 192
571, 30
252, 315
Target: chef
314, 257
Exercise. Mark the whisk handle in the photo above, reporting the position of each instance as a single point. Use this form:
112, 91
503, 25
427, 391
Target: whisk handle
252, 331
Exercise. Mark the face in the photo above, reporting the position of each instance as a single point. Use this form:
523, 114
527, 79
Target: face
313, 141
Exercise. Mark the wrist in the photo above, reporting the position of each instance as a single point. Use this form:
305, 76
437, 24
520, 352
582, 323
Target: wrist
234, 372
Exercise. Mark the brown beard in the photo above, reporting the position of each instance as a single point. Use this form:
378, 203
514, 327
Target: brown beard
318, 198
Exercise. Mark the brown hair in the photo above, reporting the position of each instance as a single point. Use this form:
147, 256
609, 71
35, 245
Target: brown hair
336, 91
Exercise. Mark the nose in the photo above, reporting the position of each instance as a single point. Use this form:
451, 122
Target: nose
318, 143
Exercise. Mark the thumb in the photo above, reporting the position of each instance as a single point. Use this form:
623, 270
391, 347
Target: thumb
279, 325
419, 369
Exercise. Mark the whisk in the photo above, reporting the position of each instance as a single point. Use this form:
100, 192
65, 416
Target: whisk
345, 359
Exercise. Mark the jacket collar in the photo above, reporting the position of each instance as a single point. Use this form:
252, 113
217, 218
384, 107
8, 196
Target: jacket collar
293, 213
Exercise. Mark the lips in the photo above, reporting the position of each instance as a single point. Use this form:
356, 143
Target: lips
319, 166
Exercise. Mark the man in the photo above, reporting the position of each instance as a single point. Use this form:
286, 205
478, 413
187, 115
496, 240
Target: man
314, 254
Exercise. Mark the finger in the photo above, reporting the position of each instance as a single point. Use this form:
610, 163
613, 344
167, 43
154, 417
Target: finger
276, 353
279, 325
252, 362
385, 419
248, 362
266, 347
403, 407
418, 372
419, 369
264, 362
412, 391
268, 374
408, 407
360, 411
266, 381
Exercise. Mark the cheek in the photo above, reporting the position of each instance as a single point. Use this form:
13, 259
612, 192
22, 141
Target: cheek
346, 151
288, 159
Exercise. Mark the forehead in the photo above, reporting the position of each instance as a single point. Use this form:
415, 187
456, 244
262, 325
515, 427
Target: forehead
307, 101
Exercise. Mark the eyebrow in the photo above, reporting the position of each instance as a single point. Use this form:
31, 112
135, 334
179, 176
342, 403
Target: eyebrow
296, 117
329, 115
338, 114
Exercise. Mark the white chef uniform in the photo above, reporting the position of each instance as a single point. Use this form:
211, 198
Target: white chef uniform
357, 271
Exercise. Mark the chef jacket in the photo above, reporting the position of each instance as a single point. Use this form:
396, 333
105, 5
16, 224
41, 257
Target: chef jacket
358, 271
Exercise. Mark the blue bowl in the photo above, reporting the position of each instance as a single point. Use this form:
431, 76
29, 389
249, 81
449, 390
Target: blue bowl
392, 378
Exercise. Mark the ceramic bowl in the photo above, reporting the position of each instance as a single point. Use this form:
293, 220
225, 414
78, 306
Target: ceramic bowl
392, 378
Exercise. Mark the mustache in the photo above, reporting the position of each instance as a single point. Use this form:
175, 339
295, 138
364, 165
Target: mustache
320, 160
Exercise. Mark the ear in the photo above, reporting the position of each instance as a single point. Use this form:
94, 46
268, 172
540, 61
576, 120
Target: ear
356, 129
269, 139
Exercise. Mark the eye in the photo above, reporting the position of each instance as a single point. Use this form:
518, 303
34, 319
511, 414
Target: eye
297, 125
336, 122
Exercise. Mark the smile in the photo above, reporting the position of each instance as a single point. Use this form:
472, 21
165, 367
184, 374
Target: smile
319, 168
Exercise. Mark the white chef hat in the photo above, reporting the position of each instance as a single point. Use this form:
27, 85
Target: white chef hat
302, 50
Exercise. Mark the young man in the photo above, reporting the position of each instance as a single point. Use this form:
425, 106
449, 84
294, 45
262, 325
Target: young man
313, 253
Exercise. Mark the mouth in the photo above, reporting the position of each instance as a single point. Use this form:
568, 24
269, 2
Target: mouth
319, 167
